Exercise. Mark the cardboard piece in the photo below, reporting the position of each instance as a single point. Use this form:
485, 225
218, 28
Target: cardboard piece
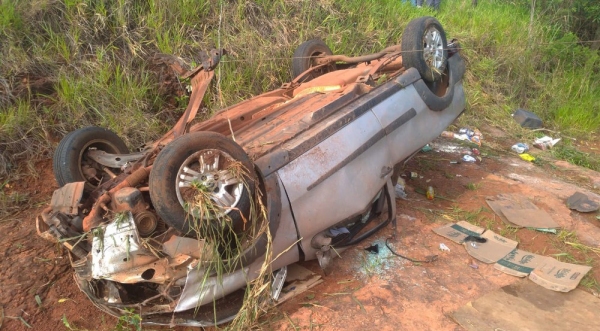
457, 232
519, 263
509, 201
298, 280
558, 276
529, 218
577, 201
525, 306
493, 250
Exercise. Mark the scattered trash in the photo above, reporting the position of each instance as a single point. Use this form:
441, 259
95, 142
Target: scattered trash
477, 239
454, 162
447, 134
427, 148
493, 250
527, 119
519, 263
553, 231
582, 203
518, 211
430, 193
473, 265
465, 134
529, 218
413, 174
373, 249
527, 157
468, 158
407, 217
466, 131
400, 193
444, 248
489, 247
520, 148
545, 142
558, 276
476, 151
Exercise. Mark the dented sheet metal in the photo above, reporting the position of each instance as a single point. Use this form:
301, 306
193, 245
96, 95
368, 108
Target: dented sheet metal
66, 199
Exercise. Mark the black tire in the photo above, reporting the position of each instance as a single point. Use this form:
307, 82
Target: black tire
417, 50
163, 181
69, 157
304, 56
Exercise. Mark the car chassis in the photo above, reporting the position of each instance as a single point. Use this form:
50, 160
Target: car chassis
322, 151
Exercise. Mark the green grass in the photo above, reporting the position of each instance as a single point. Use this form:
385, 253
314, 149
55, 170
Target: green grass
566, 151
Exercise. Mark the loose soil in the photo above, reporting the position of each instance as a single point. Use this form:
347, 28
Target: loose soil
365, 291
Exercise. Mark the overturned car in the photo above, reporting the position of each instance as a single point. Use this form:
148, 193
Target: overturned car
177, 231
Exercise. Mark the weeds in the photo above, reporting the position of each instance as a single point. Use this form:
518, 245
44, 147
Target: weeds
569, 153
473, 186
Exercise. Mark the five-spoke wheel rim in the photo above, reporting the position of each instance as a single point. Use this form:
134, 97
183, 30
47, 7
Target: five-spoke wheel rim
433, 48
210, 171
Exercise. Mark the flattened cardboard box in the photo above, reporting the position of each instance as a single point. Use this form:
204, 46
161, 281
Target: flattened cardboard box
509, 201
558, 276
491, 251
519, 263
457, 232
529, 218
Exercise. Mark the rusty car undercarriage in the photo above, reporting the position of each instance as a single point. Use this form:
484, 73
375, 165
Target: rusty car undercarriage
292, 173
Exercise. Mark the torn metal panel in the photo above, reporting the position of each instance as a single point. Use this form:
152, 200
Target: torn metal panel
66, 199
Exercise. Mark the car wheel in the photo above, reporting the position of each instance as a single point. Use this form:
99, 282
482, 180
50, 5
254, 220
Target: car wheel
305, 54
424, 48
70, 163
203, 181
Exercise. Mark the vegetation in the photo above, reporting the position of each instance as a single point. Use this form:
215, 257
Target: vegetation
71, 63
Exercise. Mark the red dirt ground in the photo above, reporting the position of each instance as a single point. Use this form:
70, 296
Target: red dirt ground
365, 291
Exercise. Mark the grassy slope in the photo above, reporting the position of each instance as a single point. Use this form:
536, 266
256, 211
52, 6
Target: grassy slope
71, 63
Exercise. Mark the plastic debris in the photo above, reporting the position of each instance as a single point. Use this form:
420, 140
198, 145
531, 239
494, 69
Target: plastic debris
466, 131
444, 248
447, 134
427, 148
520, 148
474, 245
476, 151
546, 230
527, 157
468, 158
400, 193
465, 134
473, 265
413, 174
527, 119
430, 194
545, 142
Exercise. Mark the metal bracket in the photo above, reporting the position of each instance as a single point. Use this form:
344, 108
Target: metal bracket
113, 160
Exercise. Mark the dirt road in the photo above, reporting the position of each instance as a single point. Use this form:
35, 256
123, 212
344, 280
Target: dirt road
365, 291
